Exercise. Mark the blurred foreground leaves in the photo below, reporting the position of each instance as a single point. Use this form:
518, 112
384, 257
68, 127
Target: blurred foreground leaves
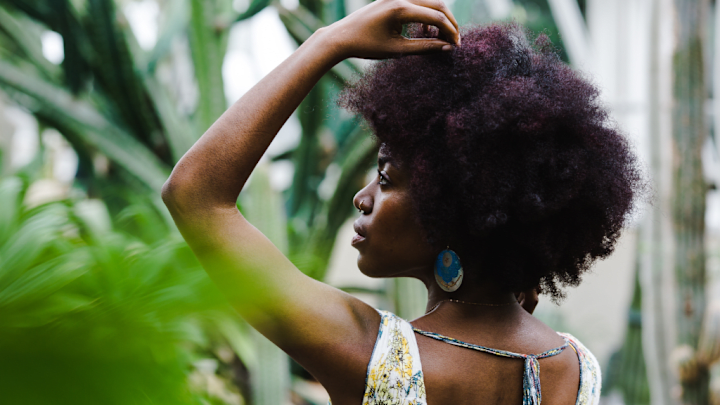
92, 313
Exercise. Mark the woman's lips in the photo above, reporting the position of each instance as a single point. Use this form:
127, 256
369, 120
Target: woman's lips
357, 239
359, 235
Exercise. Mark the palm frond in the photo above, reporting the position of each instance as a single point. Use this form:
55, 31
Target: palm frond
301, 24
64, 111
208, 41
25, 35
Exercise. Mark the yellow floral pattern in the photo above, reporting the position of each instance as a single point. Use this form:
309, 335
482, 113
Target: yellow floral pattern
395, 374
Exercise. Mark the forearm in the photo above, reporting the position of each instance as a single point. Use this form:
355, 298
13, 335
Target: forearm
215, 169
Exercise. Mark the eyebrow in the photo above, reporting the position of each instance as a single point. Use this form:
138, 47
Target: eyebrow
382, 160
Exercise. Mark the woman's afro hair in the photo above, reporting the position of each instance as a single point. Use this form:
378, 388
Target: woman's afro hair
510, 153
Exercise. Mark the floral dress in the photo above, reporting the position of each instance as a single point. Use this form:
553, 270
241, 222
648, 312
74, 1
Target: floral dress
395, 376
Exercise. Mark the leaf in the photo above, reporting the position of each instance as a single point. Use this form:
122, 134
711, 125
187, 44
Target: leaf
28, 243
61, 16
208, 42
28, 41
240, 340
262, 206
11, 192
94, 215
42, 281
64, 111
301, 24
114, 68
255, 7
175, 24
354, 166
179, 133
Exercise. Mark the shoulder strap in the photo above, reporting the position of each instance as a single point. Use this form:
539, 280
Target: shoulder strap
590, 374
531, 373
394, 371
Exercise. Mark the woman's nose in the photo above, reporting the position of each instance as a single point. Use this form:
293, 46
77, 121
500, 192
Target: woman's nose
363, 202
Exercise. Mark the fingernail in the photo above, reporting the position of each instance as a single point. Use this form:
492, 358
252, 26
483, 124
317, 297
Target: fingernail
447, 48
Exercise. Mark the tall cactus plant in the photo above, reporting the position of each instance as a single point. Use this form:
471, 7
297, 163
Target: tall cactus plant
688, 205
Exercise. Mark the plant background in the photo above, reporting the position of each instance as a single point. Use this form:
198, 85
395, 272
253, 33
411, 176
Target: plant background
101, 301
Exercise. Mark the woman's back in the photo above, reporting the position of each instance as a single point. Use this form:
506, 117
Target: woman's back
420, 367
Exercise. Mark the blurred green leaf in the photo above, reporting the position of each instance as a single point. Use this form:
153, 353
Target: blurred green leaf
263, 207
208, 41
27, 38
97, 307
301, 24
254, 7
62, 109
11, 194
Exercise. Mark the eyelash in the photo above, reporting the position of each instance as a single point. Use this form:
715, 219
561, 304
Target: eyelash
383, 180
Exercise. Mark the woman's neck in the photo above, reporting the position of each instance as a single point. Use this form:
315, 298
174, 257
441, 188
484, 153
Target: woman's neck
471, 293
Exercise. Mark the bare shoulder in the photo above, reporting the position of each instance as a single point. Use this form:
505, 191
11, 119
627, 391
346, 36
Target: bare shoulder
341, 367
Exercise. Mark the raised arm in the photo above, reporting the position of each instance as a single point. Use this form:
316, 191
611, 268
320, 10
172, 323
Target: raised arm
297, 313
221, 161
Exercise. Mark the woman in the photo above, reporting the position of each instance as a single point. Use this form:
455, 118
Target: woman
498, 172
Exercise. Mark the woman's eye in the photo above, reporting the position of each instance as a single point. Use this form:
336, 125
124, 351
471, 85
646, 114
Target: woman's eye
382, 180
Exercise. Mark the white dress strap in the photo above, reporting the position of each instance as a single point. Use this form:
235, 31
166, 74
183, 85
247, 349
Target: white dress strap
394, 373
590, 375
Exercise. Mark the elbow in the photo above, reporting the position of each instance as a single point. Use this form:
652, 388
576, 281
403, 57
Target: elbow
168, 194
174, 194
187, 195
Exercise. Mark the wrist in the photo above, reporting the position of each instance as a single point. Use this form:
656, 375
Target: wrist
325, 40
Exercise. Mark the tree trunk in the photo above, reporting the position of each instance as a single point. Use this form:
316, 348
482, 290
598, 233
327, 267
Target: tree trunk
688, 203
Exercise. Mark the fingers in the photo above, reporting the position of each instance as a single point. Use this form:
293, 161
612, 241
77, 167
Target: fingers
438, 5
414, 13
421, 45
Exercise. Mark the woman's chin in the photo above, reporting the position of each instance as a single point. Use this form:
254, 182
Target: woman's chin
370, 269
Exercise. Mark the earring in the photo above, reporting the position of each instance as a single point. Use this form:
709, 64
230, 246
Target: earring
448, 270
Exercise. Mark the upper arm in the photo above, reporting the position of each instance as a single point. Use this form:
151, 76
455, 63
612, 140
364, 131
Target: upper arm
323, 328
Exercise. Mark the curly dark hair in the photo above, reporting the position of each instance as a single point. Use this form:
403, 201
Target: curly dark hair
510, 152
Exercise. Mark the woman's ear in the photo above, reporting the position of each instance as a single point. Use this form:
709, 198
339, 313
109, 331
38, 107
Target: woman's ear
528, 299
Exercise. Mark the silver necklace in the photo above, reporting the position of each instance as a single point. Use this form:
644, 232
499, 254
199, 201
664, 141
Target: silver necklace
469, 303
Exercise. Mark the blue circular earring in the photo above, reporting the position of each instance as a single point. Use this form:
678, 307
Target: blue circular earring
448, 270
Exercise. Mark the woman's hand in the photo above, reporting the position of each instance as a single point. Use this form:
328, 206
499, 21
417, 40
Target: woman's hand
375, 31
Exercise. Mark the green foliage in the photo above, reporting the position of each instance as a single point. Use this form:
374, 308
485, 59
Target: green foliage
208, 41
92, 314
128, 116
